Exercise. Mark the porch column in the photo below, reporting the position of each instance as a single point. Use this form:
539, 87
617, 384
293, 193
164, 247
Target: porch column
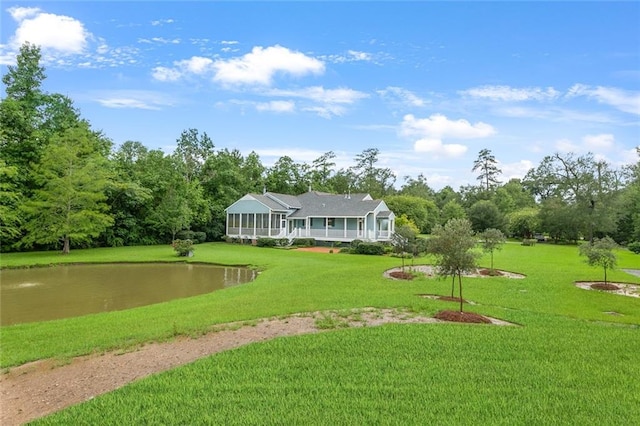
240, 229
255, 224
269, 232
326, 227
345, 228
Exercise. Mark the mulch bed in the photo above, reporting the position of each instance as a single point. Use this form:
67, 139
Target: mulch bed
400, 275
490, 273
466, 317
603, 286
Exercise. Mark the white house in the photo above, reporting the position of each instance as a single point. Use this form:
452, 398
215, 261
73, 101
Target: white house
318, 215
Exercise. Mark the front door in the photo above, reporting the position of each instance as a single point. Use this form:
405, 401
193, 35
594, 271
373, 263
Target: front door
360, 227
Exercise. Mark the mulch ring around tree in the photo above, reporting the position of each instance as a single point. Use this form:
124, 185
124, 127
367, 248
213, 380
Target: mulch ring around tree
466, 317
623, 289
412, 271
445, 298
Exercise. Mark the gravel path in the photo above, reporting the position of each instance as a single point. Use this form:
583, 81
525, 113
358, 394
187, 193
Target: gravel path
43, 387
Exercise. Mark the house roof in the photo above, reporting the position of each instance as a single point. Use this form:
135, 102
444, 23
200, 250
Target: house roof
269, 202
319, 204
289, 201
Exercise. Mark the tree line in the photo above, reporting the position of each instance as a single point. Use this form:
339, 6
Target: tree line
64, 184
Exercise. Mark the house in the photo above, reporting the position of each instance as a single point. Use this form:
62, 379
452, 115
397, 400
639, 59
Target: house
318, 215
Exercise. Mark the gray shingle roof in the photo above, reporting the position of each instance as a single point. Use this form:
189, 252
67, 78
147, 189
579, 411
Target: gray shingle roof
272, 204
319, 204
287, 200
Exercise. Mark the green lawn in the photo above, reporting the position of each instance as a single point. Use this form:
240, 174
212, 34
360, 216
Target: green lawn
569, 362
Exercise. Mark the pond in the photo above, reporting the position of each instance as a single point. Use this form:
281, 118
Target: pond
42, 294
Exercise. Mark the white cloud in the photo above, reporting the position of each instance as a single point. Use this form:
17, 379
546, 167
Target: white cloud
195, 65
599, 142
166, 74
403, 96
516, 170
359, 56
161, 22
510, 94
438, 126
566, 146
327, 102
60, 33
262, 64
136, 99
623, 100
431, 132
20, 13
276, 106
438, 148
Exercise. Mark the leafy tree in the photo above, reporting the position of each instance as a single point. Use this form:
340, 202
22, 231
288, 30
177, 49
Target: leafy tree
589, 188
373, 180
192, 151
452, 210
524, 222
557, 218
321, 171
423, 212
446, 194
417, 187
10, 219
491, 240
71, 204
21, 115
600, 253
403, 220
484, 215
487, 166
452, 246
403, 240
286, 177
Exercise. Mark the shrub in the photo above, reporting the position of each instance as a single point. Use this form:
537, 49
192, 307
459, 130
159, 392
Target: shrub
183, 247
304, 242
266, 242
529, 242
634, 247
196, 237
375, 249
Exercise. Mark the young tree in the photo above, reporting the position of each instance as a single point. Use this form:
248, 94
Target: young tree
492, 239
403, 240
71, 202
600, 253
452, 245
487, 165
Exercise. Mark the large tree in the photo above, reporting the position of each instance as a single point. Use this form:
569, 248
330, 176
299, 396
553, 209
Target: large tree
377, 181
70, 205
589, 188
487, 167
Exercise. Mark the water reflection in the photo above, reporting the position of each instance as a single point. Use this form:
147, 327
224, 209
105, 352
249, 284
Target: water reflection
42, 294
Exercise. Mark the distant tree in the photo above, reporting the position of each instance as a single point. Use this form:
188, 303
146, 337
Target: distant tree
71, 204
452, 210
524, 222
373, 180
423, 212
286, 177
484, 215
491, 240
192, 151
417, 187
321, 170
452, 245
600, 253
487, 166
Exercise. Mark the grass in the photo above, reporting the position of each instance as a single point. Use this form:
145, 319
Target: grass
570, 362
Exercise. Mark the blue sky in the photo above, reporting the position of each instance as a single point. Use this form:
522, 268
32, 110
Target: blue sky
429, 84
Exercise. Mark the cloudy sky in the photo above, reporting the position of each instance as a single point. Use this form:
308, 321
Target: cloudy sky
429, 84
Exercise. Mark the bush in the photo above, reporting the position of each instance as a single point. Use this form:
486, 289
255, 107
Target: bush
183, 247
634, 247
304, 242
196, 237
266, 242
529, 242
375, 249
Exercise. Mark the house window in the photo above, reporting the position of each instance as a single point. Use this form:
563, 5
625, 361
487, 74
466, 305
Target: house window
331, 222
